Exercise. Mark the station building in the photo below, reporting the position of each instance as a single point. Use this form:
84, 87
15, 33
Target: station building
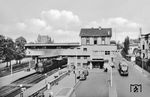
93, 51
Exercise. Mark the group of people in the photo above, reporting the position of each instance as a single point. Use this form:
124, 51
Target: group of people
108, 66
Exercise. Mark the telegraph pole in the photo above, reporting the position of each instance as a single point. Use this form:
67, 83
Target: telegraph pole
142, 56
111, 77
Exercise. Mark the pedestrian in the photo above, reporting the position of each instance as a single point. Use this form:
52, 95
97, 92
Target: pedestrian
48, 86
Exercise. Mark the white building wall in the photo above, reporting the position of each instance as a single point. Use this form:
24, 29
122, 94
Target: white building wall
83, 41
34, 52
91, 41
131, 48
99, 40
43, 52
107, 40
75, 61
98, 51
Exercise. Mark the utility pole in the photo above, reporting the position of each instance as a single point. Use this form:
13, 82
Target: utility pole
75, 66
111, 77
142, 49
11, 69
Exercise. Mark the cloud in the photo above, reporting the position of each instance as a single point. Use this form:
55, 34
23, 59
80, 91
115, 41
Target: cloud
121, 27
58, 24
56, 15
121, 22
21, 26
66, 36
61, 19
115, 22
38, 22
64, 26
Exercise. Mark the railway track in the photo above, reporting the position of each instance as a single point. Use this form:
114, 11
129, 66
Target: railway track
14, 88
16, 68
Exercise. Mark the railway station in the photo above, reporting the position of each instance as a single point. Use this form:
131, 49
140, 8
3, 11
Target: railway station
74, 48
93, 51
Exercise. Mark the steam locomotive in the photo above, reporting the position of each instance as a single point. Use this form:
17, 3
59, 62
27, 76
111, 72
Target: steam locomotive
48, 65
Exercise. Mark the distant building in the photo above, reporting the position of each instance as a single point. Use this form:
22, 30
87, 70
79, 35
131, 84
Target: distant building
134, 41
44, 39
145, 46
134, 46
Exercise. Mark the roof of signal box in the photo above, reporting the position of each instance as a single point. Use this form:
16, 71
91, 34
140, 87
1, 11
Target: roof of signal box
102, 32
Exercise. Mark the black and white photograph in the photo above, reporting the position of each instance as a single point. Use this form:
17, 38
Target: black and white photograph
74, 48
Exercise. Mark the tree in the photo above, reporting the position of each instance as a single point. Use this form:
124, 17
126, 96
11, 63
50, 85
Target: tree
8, 51
126, 47
20, 50
119, 46
20, 42
2, 42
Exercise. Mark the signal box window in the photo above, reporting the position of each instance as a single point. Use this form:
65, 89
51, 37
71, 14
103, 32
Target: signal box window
95, 40
85, 57
107, 52
87, 40
84, 49
103, 40
78, 57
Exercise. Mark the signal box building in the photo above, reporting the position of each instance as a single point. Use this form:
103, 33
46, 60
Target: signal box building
95, 49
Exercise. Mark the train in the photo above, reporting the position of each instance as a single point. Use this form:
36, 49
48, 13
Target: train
123, 69
50, 64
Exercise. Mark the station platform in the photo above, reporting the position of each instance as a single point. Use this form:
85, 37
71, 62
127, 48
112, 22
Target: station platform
10, 78
68, 81
42, 84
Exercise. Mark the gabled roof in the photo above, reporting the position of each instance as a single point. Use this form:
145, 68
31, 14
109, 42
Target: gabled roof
106, 32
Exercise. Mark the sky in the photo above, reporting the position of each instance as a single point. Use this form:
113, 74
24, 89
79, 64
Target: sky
62, 20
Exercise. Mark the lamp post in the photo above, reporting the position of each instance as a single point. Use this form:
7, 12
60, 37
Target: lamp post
75, 67
75, 76
142, 63
21, 94
11, 72
29, 64
111, 77
59, 71
11, 69
45, 77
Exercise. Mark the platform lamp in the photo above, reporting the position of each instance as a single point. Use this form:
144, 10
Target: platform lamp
111, 77
11, 68
21, 94
45, 77
75, 65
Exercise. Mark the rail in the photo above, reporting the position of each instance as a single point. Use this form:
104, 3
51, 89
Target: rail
53, 82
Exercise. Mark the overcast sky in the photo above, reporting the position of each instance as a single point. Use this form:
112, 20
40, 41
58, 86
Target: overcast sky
63, 19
